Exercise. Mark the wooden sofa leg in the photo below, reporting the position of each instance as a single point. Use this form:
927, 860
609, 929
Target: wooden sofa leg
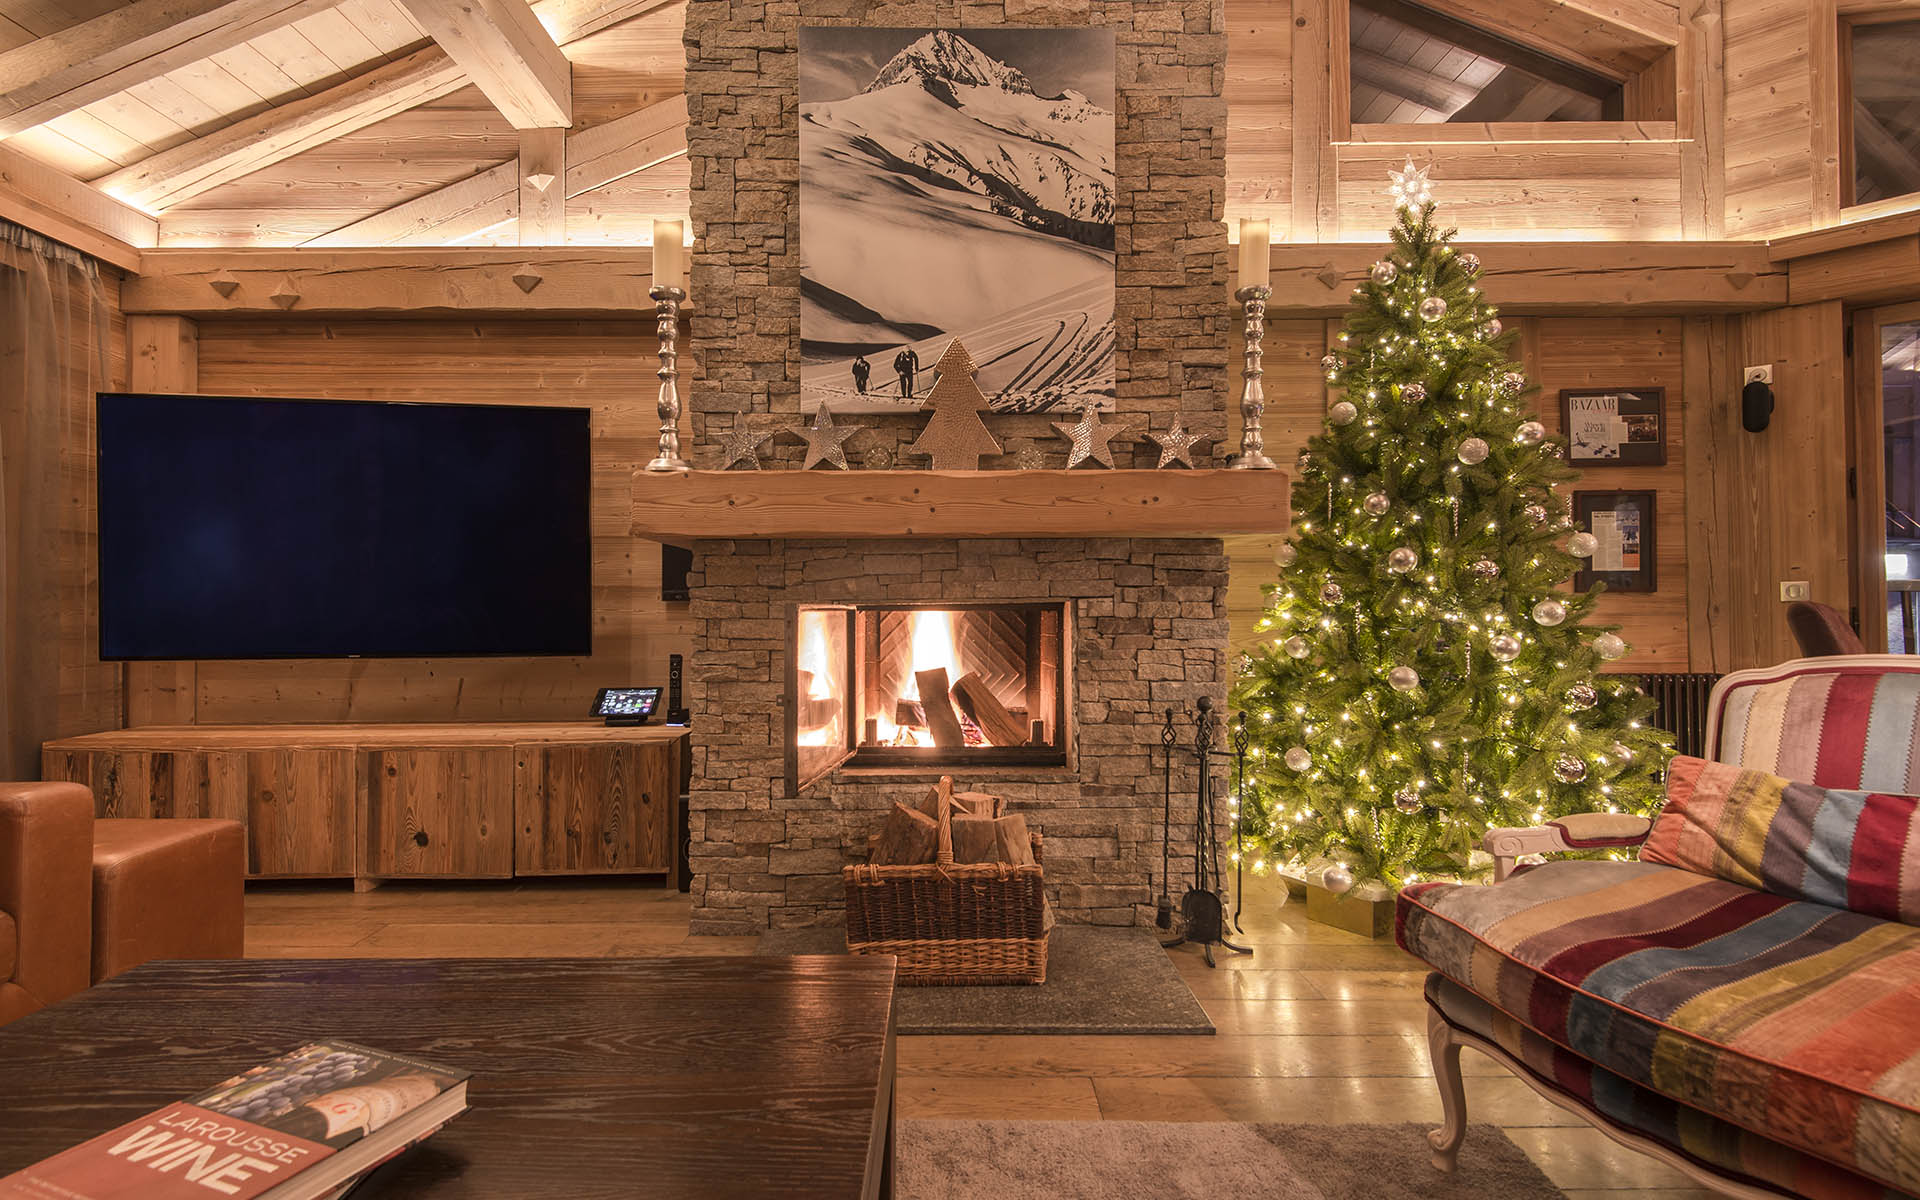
1446, 1140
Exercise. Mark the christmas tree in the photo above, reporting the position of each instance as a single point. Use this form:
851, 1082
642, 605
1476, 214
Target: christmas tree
955, 436
1422, 675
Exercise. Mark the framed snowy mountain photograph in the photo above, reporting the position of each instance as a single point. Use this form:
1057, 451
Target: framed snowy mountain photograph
956, 183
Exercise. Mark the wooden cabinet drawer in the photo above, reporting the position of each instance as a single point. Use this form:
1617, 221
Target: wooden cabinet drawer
440, 812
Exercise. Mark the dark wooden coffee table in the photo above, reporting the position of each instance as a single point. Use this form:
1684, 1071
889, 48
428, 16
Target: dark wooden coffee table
682, 1078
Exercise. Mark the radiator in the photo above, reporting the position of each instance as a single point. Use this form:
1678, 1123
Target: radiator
1680, 707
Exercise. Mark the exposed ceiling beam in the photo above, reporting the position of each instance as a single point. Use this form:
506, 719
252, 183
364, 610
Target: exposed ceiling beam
1462, 23
1409, 83
1614, 38
185, 171
65, 209
1514, 95
90, 61
595, 157
1884, 155
507, 54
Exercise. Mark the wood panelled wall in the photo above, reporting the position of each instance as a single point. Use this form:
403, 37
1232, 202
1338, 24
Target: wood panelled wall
601, 365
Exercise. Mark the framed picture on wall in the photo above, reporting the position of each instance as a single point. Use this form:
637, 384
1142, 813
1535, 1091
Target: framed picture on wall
1615, 427
1623, 524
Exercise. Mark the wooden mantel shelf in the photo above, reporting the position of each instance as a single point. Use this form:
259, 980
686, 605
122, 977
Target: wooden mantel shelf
891, 504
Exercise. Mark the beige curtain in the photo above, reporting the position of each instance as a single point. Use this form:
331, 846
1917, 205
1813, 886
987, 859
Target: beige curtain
56, 351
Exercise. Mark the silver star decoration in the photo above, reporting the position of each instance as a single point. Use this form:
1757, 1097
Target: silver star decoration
743, 446
1091, 439
1410, 188
1176, 444
826, 441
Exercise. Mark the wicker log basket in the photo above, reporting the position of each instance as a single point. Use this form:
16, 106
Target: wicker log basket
948, 923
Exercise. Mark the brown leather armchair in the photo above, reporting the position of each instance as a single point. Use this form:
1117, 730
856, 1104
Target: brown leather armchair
46, 894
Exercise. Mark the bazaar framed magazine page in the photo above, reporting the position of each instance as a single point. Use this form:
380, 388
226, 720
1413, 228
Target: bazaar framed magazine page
1623, 525
1615, 427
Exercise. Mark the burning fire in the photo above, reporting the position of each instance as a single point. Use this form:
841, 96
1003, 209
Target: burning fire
816, 659
932, 645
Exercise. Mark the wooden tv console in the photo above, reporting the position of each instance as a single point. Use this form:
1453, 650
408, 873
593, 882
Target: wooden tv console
372, 802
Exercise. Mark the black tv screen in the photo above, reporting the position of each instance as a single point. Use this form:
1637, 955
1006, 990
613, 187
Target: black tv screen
240, 527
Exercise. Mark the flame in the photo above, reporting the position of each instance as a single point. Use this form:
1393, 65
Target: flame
815, 657
932, 646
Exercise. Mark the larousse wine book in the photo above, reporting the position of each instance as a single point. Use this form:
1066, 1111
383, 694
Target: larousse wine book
304, 1125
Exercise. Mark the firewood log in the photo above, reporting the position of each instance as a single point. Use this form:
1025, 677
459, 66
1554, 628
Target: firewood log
992, 840
971, 804
977, 700
942, 722
908, 839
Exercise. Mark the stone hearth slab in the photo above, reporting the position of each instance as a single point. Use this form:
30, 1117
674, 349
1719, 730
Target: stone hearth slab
1099, 981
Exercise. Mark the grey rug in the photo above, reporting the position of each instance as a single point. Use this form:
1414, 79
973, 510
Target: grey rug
1166, 1160
1098, 981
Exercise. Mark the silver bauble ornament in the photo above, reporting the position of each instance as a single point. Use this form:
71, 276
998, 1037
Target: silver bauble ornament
1470, 263
1536, 514
1494, 327
1337, 879
1403, 679
1582, 696
1472, 451
1484, 569
1296, 647
1414, 393
1402, 559
1304, 461
1432, 309
1620, 751
1530, 433
1582, 545
1285, 554
1331, 594
1343, 413
1376, 504
1407, 800
1512, 382
1383, 272
1506, 647
1569, 769
1610, 646
1330, 362
1297, 758
1549, 612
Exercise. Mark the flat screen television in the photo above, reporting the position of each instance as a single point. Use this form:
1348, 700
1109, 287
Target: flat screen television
243, 527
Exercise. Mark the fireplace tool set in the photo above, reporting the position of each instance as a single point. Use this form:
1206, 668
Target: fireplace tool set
1203, 909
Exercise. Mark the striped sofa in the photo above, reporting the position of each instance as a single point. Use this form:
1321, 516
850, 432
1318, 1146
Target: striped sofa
1741, 996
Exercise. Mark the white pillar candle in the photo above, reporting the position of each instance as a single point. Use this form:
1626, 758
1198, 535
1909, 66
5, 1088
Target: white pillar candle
669, 255
1256, 263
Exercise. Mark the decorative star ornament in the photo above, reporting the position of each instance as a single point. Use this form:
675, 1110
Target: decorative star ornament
743, 446
826, 442
1410, 188
1091, 439
1176, 444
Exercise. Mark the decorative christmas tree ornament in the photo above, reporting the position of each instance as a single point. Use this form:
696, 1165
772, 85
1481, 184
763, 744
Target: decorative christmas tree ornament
1414, 393
1331, 593
1610, 646
1407, 800
877, 458
1176, 444
1581, 697
1432, 309
1284, 554
1569, 769
1494, 327
1029, 458
1484, 569
1330, 363
1403, 679
1376, 504
1472, 451
1383, 272
1505, 647
743, 445
1536, 514
1402, 559
1530, 433
1549, 613
1512, 381
1470, 263
1296, 647
1092, 441
955, 437
1298, 759
1582, 545
826, 441
1342, 413
1410, 187
1337, 879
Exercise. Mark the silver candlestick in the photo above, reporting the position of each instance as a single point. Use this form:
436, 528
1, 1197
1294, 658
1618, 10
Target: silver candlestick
1253, 398
666, 302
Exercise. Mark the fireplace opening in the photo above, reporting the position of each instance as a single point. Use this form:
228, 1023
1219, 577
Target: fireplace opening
926, 686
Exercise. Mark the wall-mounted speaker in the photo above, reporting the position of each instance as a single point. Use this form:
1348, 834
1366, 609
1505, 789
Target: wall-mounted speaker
1756, 406
675, 563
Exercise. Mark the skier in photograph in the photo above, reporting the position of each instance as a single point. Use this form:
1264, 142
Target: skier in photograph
906, 363
861, 369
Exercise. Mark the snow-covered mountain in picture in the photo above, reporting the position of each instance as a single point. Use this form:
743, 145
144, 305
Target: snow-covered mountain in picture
956, 186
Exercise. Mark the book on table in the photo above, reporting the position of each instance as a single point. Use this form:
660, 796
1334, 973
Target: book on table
304, 1126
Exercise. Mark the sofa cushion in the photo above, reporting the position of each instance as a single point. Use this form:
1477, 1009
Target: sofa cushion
1839, 727
1847, 849
9, 946
1705, 1139
1794, 1020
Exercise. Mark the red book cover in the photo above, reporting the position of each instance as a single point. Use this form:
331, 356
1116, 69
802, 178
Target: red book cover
246, 1137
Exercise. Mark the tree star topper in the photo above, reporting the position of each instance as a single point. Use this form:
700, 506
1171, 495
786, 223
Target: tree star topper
826, 441
1410, 188
743, 446
1091, 439
1176, 444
